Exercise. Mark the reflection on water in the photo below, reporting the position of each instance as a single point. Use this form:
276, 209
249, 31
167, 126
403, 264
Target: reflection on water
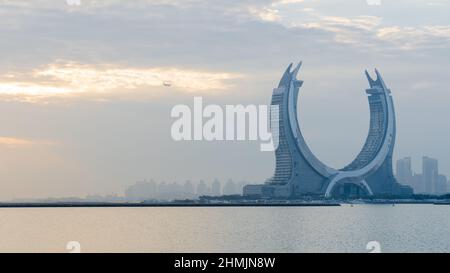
403, 228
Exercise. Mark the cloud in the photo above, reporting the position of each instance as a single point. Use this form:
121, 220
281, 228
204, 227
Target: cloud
438, 3
360, 30
410, 38
265, 14
285, 2
13, 142
72, 79
346, 30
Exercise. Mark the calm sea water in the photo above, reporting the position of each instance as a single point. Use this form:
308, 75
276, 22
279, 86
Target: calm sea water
402, 228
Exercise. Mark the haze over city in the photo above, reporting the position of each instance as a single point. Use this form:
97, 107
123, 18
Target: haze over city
85, 97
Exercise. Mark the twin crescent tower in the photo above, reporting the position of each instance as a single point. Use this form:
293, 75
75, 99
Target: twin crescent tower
298, 172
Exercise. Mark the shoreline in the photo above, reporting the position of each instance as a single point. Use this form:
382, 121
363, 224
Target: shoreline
181, 204
163, 205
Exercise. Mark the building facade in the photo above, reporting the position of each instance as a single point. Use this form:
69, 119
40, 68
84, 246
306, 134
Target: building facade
404, 171
298, 172
430, 172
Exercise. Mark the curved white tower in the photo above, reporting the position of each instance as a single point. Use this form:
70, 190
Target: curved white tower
299, 172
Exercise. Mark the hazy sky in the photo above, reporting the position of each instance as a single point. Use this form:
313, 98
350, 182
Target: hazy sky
84, 110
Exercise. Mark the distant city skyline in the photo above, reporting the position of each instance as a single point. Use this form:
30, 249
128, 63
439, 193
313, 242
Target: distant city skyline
148, 190
429, 181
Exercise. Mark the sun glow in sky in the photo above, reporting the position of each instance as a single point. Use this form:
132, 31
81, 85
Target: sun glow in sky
75, 79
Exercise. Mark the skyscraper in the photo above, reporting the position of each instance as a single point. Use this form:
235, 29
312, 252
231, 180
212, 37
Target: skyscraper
142, 190
427, 182
404, 171
216, 188
188, 189
202, 189
299, 172
441, 184
229, 188
419, 186
430, 173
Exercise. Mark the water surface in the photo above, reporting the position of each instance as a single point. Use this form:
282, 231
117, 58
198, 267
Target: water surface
400, 228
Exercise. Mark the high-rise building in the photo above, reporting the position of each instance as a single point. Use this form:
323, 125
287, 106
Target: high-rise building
419, 185
441, 184
175, 191
240, 186
202, 189
430, 173
216, 188
141, 191
427, 182
404, 171
299, 172
163, 190
229, 188
188, 189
